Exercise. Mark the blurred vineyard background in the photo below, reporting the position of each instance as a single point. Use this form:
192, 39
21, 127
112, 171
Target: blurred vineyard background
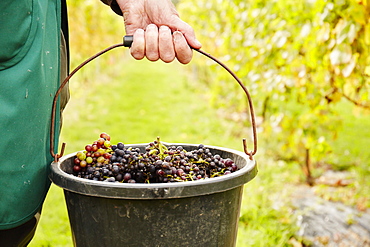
306, 65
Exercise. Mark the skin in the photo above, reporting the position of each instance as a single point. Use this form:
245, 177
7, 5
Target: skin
158, 31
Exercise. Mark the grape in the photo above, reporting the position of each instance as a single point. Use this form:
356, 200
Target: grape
89, 160
106, 144
234, 167
180, 172
119, 152
76, 168
81, 155
119, 177
169, 171
107, 155
115, 169
83, 163
127, 177
120, 145
160, 173
102, 161
158, 163
166, 165
105, 136
101, 142
228, 162
90, 170
77, 161
151, 169
88, 148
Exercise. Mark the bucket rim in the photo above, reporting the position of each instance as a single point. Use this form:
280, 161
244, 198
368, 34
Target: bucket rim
88, 187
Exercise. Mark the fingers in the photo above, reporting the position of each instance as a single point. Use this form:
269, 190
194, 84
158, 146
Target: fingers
138, 45
166, 46
151, 43
161, 44
183, 50
187, 31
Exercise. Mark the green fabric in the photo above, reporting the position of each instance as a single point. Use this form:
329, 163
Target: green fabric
29, 78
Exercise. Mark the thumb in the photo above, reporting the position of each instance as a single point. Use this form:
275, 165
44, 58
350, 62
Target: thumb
187, 31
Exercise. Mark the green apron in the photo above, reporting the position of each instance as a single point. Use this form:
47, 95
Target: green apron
29, 78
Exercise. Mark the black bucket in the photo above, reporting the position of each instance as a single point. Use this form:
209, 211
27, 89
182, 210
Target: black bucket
194, 213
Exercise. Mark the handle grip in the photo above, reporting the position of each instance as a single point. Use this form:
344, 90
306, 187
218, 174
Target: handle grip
127, 40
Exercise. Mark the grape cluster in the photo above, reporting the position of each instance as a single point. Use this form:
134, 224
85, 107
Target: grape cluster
102, 161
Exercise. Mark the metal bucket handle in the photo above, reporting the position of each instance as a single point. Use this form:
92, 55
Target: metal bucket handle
127, 41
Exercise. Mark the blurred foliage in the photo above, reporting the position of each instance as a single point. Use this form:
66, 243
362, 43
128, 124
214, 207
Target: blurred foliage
248, 36
93, 26
297, 58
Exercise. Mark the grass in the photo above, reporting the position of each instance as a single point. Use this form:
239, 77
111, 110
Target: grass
351, 153
355, 150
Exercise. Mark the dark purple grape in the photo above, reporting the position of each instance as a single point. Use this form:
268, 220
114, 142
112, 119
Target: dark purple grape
113, 158
180, 172
119, 177
119, 152
158, 163
97, 174
120, 145
151, 169
228, 162
115, 169
234, 167
160, 173
169, 171
127, 177
166, 165
90, 170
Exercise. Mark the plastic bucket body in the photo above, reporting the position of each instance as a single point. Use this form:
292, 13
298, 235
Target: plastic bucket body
194, 213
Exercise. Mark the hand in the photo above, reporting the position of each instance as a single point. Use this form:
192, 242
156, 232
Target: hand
158, 31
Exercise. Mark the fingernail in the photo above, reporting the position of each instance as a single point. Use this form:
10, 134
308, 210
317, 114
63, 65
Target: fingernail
177, 35
164, 28
151, 26
139, 30
197, 43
